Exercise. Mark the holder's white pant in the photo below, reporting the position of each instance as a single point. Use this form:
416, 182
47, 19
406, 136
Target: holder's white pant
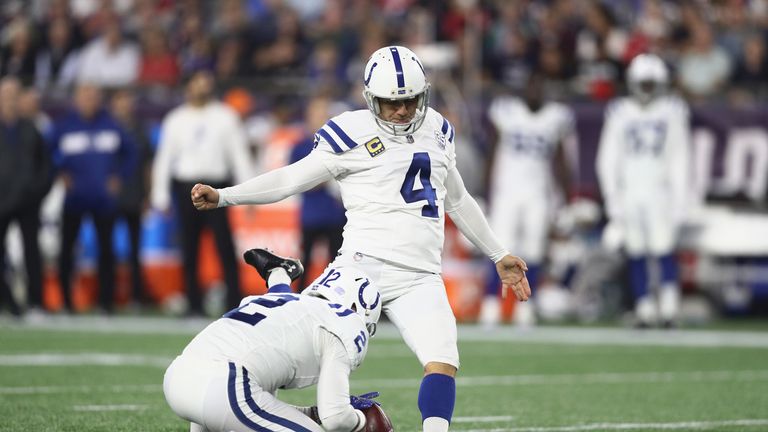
223, 396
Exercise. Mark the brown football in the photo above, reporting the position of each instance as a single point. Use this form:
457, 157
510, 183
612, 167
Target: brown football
376, 420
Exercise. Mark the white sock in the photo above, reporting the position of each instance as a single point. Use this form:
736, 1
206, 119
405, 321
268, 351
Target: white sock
645, 309
490, 311
669, 302
435, 424
277, 276
525, 315
194, 427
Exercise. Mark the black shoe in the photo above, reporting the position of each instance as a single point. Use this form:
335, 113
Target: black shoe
264, 261
669, 325
641, 325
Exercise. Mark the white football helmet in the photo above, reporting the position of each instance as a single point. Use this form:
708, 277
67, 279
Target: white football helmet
647, 77
353, 290
394, 72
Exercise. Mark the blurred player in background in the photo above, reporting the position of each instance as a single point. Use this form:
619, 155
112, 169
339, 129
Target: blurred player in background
227, 377
322, 212
133, 198
201, 139
95, 158
529, 175
396, 169
643, 169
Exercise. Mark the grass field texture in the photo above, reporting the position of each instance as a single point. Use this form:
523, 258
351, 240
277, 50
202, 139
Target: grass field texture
94, 374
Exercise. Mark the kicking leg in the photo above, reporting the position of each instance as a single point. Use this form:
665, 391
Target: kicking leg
265, 262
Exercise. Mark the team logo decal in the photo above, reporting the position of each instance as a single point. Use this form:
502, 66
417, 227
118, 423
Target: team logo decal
375, 147
440, 139
316, 141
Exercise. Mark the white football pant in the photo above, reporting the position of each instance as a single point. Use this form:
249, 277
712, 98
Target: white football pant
522, 225
224, 396
649, 227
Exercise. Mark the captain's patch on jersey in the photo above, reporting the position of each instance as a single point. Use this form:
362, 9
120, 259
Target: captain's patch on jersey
375, 147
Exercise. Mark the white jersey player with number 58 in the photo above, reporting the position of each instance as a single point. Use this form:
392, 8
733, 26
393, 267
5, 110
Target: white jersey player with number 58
643, 169
395, 166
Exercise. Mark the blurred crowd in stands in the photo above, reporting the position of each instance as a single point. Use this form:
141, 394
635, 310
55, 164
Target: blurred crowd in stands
270, 58
716, 48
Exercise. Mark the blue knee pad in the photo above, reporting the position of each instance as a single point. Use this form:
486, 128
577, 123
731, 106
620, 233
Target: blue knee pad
437, 396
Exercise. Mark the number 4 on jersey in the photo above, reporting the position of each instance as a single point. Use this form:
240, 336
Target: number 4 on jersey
421, 166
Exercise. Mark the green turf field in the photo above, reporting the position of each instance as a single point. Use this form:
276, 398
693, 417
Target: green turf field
91, 374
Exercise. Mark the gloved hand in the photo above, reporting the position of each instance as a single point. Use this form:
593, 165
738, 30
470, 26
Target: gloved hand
364, 401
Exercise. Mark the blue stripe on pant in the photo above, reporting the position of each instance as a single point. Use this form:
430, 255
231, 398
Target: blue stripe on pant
233, 403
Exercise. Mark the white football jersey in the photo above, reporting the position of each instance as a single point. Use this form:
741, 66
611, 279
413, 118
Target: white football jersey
527, 144
277, 336
644, 150
393, 188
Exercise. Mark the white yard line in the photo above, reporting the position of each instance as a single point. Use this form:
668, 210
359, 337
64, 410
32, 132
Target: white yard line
121, 360
579, 379
83, 359
690, 425
502, 380
100, 408
386, 331
34, 390
617, 336
484, 419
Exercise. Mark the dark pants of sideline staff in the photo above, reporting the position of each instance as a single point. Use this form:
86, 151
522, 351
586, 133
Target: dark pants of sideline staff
192, 222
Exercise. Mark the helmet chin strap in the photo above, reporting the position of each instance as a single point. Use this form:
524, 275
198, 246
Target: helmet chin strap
400, 129
403, 129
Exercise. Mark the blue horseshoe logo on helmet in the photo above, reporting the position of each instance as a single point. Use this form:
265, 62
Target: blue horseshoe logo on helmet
370, 72
362, 301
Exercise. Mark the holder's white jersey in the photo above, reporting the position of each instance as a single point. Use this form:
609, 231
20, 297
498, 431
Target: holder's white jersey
278, 338
527, 144
393, 188
644, 152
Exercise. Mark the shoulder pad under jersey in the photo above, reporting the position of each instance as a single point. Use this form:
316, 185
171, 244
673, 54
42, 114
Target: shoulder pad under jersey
615, 106
676, 105
446, 128
345, 132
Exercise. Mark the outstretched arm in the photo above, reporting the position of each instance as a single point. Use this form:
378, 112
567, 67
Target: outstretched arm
267, 188
466, 214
